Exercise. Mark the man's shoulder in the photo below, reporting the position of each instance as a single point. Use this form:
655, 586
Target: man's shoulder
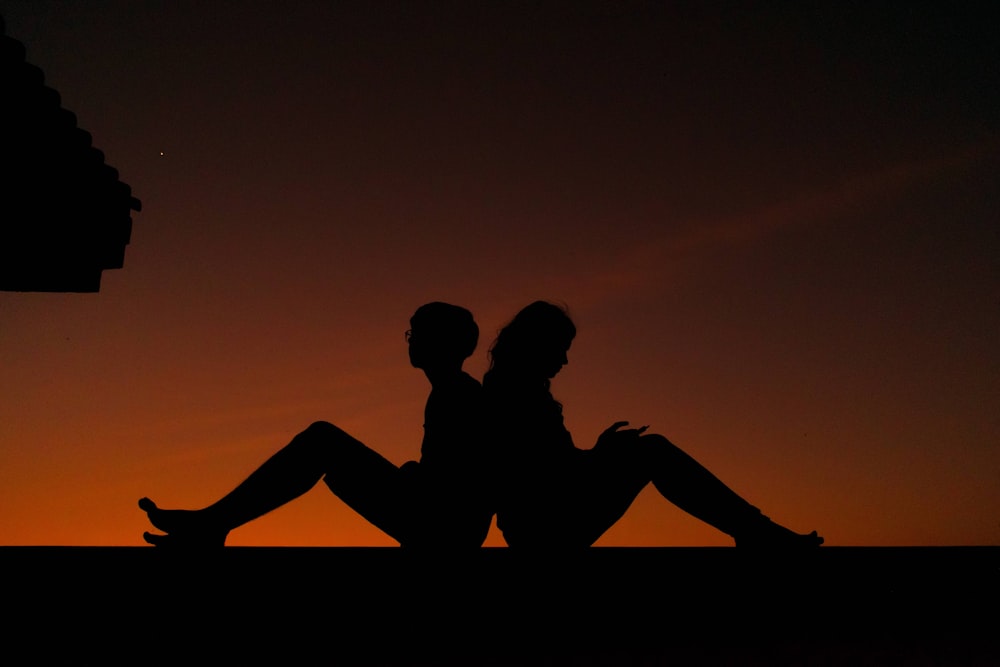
454, 404
459, 383
460, 387
469, 382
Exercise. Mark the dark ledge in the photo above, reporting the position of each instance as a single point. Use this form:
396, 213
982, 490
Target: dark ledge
383, 606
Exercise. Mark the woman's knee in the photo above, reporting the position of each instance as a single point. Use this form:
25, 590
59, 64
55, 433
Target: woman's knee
660, 451
657, 442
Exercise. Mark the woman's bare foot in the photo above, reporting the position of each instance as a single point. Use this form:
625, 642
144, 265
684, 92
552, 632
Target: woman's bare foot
770, 535
183, 528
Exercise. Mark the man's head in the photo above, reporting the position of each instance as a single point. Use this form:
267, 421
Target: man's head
441, 335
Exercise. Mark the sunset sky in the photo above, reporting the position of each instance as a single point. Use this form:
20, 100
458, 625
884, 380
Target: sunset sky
777, 231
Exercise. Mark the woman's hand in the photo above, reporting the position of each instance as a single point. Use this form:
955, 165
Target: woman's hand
615, 434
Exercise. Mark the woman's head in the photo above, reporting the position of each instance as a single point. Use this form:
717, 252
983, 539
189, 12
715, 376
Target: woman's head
535, 342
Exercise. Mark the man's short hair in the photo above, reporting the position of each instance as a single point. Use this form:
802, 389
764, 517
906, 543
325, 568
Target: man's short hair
451, 326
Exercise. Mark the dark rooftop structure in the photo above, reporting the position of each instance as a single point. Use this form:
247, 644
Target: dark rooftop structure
64, 214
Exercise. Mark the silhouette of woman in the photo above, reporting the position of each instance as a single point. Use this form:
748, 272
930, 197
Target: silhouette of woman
439, 502
552, 494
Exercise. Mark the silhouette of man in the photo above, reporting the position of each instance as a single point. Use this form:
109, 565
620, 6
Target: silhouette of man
439, 502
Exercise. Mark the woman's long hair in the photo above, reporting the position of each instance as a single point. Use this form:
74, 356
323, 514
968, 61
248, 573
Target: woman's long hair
537, 332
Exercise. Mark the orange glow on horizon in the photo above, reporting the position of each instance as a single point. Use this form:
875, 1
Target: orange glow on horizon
780, 249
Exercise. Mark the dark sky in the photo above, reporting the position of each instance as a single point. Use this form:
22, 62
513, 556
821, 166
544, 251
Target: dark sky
775, 226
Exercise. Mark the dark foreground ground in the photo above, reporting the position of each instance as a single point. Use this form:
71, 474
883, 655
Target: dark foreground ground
670, 606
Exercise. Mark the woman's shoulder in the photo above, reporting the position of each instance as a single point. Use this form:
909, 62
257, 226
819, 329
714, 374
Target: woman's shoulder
520, 404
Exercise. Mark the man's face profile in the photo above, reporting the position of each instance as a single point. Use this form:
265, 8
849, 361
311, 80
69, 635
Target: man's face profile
421, 349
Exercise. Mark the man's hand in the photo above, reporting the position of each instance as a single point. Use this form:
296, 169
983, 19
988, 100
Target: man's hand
615, 433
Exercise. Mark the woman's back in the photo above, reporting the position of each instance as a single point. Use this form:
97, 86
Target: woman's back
533, 452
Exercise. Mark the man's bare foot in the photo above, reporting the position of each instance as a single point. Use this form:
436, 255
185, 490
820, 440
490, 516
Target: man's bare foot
170, 521
180, 541
183, 528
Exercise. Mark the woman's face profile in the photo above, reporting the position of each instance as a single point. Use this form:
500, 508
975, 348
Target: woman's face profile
552, 355
535, 345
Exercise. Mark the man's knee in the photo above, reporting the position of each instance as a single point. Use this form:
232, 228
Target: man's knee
322, 429
324, 437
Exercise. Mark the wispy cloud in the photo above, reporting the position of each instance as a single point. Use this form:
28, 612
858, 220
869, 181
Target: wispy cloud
645, 263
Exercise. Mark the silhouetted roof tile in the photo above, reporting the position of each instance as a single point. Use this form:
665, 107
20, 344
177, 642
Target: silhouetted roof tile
64, 214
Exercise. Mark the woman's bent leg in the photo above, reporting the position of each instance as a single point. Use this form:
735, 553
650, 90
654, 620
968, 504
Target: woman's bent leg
571, 510
691, 487
608, 479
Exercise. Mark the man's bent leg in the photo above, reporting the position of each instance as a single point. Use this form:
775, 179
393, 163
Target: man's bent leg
320, 449
375, 488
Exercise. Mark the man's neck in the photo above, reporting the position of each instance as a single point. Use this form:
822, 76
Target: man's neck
441, 374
